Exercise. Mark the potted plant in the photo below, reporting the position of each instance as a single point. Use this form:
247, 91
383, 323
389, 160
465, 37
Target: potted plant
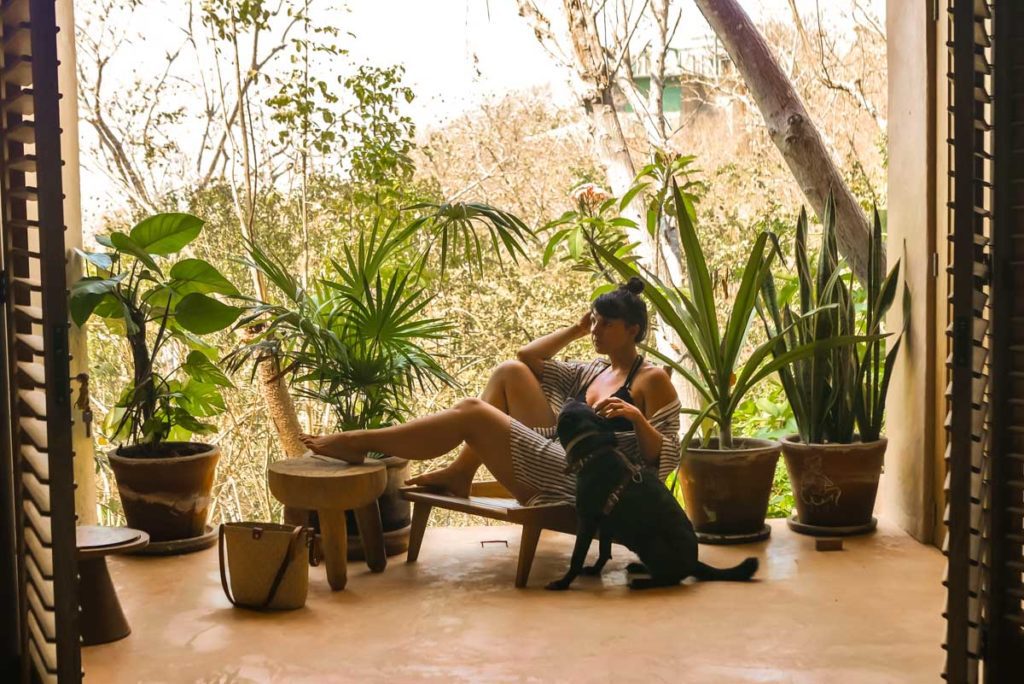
726, 480
357, 341
163, 477
837, 396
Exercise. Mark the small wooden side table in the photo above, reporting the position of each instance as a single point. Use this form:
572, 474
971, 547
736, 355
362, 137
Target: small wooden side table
102, 619
330, 488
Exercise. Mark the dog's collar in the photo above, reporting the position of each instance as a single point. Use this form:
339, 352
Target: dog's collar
577, 439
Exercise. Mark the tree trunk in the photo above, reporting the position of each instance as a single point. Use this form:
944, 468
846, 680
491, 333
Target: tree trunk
599, 101
610, 143
280, 408
790, 126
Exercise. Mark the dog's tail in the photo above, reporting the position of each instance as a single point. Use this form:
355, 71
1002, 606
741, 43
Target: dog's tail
738, 573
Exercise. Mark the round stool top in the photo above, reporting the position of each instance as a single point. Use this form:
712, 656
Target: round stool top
95, 540
318, 483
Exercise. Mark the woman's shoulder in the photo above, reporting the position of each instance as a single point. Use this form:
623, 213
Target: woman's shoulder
653, 383
651, 373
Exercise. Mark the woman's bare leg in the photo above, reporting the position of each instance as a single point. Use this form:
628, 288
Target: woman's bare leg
513, 390
481, 426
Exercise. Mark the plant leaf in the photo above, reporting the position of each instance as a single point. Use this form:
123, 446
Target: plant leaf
123, 243
164, 234
202, 315
201, 369
87, 293
196, 275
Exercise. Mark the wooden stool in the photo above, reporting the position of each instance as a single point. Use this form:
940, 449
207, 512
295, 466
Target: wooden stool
332, 487
102, 619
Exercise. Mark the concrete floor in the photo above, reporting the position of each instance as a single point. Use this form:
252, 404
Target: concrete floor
871, 613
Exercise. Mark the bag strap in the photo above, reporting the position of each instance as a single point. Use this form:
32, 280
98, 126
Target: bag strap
284, 565
295, 534
223, 566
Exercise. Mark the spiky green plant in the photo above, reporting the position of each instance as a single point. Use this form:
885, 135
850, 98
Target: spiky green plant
837, 393
715, 367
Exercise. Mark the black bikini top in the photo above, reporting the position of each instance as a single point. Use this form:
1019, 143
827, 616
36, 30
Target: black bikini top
618, 424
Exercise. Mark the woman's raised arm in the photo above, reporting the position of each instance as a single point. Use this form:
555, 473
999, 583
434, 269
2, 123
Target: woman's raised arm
535, 353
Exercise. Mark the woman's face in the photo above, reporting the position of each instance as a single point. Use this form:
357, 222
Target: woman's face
609, 334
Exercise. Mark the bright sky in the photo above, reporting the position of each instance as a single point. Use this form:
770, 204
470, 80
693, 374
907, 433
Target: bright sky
457, 53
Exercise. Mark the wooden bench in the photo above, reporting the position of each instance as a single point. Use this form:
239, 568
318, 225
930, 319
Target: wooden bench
493, 501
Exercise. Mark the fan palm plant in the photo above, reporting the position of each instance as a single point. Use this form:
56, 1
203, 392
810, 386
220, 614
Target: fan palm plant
358, 339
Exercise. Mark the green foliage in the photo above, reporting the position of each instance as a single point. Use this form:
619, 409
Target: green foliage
837, 391
765, 413
713, 364
455, 226
382, 134
305, 105
134, 288
597, 218
876, 365
358, 339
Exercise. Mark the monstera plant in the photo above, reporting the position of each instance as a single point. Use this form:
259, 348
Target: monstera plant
163, 307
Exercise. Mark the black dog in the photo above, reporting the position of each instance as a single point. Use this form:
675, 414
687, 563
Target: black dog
630, 505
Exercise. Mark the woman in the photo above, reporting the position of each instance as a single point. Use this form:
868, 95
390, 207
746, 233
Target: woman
511, 427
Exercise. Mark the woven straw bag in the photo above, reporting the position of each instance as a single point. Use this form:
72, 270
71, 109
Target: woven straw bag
264, 565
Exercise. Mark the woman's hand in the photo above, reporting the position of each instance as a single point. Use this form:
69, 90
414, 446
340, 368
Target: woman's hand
583, 325
613, 407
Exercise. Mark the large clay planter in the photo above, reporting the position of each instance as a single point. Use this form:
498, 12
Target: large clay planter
727, 492
834, 485
395, 513
166, 496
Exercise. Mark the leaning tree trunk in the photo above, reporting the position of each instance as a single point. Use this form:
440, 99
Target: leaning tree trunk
790, 126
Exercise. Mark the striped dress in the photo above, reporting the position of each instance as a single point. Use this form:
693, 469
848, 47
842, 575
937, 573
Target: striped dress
537, 456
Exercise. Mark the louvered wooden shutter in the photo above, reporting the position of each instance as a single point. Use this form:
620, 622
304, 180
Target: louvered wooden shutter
985, 438
37, 445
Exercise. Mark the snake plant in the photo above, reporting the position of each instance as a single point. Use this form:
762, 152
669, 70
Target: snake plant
837, 393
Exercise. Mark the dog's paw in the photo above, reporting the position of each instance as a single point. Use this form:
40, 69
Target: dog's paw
591, 570
637, 569
557, 585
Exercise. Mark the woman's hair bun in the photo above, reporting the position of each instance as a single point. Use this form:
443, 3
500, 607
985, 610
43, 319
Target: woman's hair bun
635, 285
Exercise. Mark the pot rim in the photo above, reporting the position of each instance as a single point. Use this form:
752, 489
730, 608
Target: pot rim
795, 441
390, 461
756, 445
211, 450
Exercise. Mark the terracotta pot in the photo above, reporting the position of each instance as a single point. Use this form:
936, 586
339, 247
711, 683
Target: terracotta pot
727, 492
834, 485
395, 513
163, 494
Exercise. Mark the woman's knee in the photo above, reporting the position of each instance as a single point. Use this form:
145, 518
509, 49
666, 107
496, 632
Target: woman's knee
512, 369
472, 406
478, 415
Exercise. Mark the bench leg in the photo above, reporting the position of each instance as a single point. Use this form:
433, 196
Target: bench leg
420, 516
527, 548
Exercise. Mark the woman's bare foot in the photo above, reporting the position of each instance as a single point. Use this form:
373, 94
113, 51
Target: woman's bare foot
333, 446
448, 480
